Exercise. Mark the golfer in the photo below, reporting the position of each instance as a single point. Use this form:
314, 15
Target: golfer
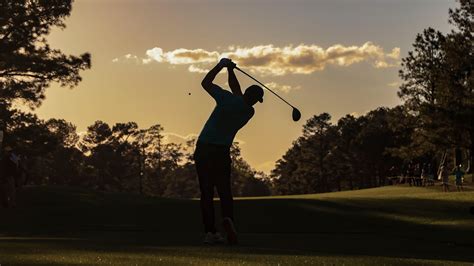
212, 154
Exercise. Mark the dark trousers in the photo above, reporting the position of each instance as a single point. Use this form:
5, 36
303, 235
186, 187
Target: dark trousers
213, 169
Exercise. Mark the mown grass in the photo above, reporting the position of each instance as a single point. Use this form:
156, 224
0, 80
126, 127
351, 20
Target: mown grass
393, 225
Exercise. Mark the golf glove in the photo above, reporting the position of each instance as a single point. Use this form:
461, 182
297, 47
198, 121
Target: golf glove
226, 62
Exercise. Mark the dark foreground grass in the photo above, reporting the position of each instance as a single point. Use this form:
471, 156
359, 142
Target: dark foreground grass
383, 226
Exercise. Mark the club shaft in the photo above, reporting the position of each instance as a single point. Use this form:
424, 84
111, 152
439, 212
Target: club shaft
264, 86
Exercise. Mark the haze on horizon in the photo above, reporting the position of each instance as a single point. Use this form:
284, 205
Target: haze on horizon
340, 57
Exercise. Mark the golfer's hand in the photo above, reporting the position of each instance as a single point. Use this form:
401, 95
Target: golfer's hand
226, 62
231, 65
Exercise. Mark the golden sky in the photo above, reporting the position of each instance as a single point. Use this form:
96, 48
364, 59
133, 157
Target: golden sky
339, 56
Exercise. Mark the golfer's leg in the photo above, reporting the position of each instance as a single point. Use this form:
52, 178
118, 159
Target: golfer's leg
224, 189
227, 203
207, 195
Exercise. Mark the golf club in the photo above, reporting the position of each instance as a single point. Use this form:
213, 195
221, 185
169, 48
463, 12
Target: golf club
296, 113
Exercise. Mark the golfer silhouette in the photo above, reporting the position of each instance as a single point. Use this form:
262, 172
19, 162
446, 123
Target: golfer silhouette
212, 154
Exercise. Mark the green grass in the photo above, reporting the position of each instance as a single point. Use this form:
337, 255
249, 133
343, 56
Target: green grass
396, 225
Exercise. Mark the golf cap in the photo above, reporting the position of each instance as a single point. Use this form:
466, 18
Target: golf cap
256, 92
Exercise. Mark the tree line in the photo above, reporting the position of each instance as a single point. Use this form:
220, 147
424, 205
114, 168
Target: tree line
121, 157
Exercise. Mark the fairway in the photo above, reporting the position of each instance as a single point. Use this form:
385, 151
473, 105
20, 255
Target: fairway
389, 225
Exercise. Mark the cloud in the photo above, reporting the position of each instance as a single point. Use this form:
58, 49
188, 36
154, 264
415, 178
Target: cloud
130, 56
355, 114
182, 56
266, 167
282, 88
127, 58
359, 114
276, 61
395, 54
146, 61
171, 137
196, 69
393, 84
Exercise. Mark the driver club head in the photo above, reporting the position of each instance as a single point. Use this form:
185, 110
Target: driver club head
296, 114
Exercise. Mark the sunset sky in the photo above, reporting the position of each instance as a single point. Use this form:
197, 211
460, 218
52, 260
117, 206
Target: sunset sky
339, 57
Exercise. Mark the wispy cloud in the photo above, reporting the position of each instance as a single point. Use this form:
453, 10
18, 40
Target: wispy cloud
171, 137
359, 114
395, 54
393, 84
281, 87
266, 167
128, 58
197, 69
273, 60
355, 114
182, 56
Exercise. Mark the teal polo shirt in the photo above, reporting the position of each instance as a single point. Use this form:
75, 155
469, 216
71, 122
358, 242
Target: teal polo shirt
230, 114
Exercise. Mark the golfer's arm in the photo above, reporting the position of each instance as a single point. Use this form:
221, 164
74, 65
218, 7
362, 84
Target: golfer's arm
209, 78
234, 83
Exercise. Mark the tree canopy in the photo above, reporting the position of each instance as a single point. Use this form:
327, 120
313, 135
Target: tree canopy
28, 65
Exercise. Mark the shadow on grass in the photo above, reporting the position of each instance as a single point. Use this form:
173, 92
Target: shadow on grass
71, 220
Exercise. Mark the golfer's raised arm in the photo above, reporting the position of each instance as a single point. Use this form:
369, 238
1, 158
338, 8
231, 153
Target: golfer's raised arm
209, 78
233, 82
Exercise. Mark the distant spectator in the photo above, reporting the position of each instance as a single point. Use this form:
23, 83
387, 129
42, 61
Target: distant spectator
424, 176
459, 177
417, 175
444, 177
409, 175
393, 178
430, 175
401, 177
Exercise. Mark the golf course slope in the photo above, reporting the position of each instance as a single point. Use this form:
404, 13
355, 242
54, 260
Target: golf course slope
395, 225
